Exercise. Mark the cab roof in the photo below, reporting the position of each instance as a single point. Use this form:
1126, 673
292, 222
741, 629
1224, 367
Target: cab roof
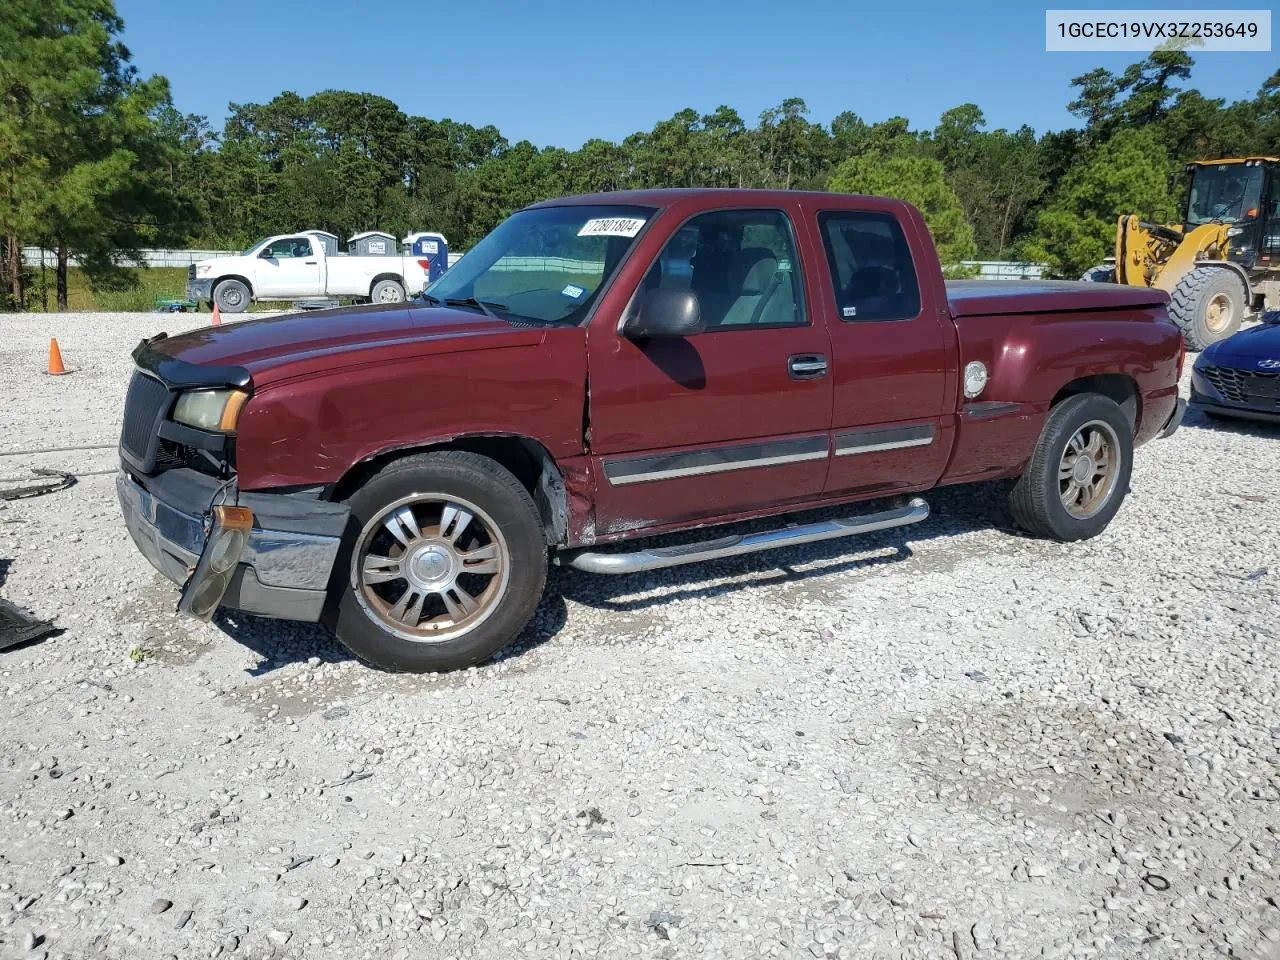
707, 196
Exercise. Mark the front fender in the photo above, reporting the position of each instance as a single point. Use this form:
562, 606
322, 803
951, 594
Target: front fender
313, 430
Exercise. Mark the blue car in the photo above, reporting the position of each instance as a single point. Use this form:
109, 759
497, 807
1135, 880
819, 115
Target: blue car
1240, 376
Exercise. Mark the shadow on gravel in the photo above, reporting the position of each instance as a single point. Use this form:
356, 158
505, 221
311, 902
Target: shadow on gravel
280, 642
954, 511
1197, 419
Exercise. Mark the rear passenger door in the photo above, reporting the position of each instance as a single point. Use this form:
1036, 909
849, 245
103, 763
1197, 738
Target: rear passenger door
731, 420
893, 354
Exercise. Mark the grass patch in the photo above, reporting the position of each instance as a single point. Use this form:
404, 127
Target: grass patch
153, 284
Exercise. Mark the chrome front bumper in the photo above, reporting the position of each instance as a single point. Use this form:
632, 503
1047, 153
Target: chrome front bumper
282, 573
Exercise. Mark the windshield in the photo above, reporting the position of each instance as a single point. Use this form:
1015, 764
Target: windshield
545, 265
254, 246
1227, 192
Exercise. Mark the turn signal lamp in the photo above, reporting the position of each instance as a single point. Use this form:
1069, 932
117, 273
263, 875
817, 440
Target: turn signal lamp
228, 536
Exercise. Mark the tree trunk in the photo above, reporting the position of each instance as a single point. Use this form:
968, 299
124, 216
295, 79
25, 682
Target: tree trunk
62, 275
4, 272
15, 272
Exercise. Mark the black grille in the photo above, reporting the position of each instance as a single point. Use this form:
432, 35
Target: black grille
145, 403
1245, 386
191, 272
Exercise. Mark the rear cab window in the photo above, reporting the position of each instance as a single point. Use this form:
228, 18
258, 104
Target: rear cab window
872, 273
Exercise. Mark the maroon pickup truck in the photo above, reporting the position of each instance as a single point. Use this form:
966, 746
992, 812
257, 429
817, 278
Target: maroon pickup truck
602, 369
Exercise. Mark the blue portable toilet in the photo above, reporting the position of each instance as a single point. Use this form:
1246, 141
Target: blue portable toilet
432, 247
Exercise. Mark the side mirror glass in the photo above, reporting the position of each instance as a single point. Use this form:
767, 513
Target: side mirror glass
663, 313
265, 254
1170, 182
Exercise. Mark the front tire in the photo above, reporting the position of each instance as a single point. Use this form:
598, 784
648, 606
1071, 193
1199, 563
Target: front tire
1208, 303
1079, 473
232, 296
443, 564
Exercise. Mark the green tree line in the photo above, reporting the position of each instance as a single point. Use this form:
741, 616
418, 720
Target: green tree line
97, 163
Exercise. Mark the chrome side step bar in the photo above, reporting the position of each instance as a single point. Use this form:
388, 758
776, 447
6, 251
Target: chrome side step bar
595, 561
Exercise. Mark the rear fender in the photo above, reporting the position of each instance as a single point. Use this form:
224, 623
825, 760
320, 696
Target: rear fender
1032, 359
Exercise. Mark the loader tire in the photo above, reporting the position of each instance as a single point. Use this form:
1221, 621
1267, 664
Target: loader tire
1208, 304
1102, 273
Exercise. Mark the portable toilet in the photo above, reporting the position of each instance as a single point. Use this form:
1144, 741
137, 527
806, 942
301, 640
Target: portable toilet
327, 240
372, 243
433, 248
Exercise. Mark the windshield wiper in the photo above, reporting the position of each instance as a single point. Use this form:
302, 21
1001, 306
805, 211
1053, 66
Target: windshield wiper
482, 305
428, 298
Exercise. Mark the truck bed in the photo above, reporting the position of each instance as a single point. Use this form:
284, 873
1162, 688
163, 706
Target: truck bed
968, 298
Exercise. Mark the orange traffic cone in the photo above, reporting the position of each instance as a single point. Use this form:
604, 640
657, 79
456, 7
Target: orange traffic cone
55, 359
217, 316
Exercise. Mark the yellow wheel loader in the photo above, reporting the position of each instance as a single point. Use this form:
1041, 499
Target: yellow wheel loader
1222, 263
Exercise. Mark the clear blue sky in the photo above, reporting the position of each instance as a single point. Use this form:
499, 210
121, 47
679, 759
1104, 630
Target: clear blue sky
561, 72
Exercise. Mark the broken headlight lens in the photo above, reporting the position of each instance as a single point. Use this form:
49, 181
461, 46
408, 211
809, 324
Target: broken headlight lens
214, 410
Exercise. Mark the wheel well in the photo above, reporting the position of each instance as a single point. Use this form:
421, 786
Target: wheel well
1235, 268
231, 276
528, 461
1119, 387
385, 276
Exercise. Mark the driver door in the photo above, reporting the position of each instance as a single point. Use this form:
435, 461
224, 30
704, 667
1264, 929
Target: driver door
728, 421
289, 267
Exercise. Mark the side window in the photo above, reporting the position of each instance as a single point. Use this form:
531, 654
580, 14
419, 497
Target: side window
288, 247
871, 266
742, 265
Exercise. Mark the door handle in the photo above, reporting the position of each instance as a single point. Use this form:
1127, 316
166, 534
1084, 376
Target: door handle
806, 366
309, 263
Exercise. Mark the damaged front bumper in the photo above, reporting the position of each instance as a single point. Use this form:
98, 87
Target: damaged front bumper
285, 566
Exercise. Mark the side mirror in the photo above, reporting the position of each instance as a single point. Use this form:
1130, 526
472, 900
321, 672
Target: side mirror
663, 313
265, 254
1170, 182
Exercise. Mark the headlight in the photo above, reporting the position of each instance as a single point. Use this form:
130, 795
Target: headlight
213, 410
204, 270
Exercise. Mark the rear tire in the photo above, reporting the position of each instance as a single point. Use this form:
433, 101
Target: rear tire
1102, 273
232, 296
387, 291
1065, 460
1208, 304
480, 577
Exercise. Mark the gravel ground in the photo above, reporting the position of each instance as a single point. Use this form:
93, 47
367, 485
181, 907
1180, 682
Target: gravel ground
938, 742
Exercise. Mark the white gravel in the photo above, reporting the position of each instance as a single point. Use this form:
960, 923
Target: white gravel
945, 741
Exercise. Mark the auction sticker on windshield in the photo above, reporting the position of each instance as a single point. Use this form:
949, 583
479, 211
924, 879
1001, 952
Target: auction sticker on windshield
611, 227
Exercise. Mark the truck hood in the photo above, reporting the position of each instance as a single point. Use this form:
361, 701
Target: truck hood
273, 348
1249, 347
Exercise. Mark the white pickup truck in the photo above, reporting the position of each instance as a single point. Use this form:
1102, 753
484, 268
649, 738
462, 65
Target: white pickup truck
297, 267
